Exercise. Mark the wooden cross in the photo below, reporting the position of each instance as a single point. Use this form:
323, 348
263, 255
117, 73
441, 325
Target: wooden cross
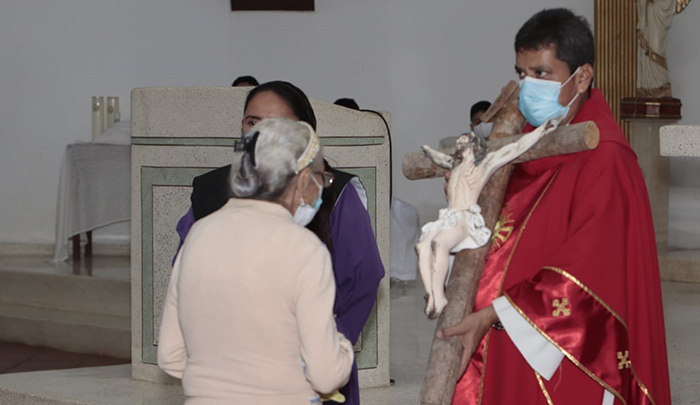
443, 366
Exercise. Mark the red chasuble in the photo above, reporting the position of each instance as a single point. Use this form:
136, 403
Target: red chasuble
574, 252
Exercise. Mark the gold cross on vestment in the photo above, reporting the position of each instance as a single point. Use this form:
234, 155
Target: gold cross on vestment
503, 229
624, 363
561, 308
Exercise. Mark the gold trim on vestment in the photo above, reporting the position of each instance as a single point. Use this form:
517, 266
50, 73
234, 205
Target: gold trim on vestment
583, 287
567, 354
544, 389
522, 230
642, 387
588, 290
483, 369
503, 277
573, 279
503, 224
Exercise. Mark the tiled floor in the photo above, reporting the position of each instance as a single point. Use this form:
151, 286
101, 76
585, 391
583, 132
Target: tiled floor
19, 358
115, 267
410, 341
412, 336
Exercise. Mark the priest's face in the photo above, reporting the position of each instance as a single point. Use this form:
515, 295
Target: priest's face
265, 105
543, 64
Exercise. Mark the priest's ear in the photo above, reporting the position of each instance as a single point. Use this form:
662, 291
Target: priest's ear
584, 78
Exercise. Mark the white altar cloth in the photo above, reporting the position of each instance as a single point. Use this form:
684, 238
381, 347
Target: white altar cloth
94, 187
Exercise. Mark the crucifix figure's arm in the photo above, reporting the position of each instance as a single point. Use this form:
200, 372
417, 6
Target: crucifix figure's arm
441, 159
515, 149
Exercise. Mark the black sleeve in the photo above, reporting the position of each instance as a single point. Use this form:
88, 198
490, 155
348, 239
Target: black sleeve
210, 191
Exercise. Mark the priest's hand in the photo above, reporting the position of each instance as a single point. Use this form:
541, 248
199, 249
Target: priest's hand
470, 330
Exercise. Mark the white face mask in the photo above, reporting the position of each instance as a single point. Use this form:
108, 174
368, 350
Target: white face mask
305, 213
484, 129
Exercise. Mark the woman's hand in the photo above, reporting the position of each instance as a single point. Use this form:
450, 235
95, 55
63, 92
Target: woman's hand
470, 330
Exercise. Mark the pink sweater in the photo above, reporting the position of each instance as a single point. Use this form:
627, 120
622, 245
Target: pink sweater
251, 295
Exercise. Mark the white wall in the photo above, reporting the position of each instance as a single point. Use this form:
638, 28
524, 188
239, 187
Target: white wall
684, 59
426, 62
57, 54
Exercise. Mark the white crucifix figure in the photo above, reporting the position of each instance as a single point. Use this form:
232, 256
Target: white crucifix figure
460, 225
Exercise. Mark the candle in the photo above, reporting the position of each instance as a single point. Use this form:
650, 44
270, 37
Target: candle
111, 103
117, 113
103, 114
97, 116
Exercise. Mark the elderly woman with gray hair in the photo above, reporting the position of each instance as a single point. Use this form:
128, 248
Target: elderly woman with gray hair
248, 317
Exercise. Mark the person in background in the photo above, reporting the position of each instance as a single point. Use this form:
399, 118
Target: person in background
248, 317
477, 111
482, 129
347, 103
569, 304
342, 222
245, 81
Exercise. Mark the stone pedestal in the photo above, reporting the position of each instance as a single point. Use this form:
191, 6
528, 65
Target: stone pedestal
646, 117
644, 139
179, 133
681, 141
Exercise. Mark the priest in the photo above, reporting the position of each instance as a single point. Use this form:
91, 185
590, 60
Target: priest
569, 306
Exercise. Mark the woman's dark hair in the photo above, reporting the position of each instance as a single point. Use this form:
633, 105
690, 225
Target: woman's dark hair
245, 79
292, 95
301, 107
347, 103
559, 27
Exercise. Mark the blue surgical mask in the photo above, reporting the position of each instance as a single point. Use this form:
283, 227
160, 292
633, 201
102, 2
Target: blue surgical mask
305, 213
539, 100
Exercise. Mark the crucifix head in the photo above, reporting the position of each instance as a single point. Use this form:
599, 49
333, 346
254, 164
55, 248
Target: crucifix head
471, 147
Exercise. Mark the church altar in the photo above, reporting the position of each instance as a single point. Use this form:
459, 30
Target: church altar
93, 191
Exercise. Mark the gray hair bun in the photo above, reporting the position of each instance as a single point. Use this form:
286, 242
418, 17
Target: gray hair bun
271, 152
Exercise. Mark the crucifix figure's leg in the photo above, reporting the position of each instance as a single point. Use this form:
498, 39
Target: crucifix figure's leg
440, 247
425, 266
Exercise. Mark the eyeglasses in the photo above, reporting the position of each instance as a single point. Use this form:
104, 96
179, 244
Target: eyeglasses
327, 178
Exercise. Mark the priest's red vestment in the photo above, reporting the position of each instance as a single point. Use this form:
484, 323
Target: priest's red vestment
574, 253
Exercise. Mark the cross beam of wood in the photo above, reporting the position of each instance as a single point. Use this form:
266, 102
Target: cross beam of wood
443, 366
567, 139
